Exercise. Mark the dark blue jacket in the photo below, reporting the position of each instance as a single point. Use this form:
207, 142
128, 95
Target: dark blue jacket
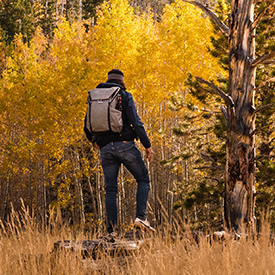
132, 125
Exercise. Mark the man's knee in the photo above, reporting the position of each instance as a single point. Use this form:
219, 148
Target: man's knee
144, 181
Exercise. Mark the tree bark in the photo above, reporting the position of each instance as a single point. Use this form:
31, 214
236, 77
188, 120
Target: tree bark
240, 145
98, 194
62, 8
80, 10
240, 114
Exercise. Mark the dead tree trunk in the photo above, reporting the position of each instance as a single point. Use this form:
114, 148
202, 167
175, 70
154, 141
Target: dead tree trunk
240, 145
240, 112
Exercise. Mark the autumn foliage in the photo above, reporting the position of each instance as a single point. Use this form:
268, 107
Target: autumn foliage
45, 157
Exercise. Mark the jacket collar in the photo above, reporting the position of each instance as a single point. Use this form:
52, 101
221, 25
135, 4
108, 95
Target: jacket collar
109, 85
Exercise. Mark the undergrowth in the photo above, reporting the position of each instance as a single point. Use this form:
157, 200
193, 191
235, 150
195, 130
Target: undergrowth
26, 248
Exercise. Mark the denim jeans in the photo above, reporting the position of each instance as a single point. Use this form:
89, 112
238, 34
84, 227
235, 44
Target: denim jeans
112, 156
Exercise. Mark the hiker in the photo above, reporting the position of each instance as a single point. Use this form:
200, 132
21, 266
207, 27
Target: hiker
120, 148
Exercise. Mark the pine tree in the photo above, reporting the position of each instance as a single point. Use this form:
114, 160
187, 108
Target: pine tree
89, 8
16, 17
47, 16
265, 119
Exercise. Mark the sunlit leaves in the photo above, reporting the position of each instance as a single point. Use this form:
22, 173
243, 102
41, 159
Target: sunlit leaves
44, 88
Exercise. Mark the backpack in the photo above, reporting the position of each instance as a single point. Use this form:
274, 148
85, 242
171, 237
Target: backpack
104, 112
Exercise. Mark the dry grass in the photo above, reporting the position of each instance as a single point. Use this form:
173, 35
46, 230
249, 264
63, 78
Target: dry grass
26, 249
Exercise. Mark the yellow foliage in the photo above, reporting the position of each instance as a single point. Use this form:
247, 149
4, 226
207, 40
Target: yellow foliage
184, 37
43, 90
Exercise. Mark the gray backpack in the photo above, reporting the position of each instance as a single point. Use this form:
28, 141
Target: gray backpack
104, 112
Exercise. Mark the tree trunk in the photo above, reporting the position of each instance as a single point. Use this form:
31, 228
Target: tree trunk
68, 8
62, 8
43, 195
80, 190
5, 198
98, 194
46, 11
80, 10
240, 146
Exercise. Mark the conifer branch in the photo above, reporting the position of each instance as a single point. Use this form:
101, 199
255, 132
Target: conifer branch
228, 100
211, 14
264, 59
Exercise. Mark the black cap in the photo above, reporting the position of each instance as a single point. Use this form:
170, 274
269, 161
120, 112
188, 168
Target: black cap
115, 74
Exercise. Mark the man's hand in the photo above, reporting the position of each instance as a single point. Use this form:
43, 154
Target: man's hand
149, 154
96, 146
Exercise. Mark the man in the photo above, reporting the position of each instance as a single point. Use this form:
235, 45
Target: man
120, 148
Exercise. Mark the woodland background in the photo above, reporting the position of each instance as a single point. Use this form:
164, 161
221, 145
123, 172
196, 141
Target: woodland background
53, 52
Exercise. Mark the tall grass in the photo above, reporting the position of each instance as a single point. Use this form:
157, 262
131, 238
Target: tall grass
26, 248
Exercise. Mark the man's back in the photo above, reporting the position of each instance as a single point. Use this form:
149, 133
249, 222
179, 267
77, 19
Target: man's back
132, 125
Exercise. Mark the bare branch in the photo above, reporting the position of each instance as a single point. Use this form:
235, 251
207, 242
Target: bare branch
263, 108
257, 130
211, 14
210, 178
213, 166
265, 156
228, 100
208, 158
254, 132
259, 17
263, 59
268, 62
210, 167
224, 113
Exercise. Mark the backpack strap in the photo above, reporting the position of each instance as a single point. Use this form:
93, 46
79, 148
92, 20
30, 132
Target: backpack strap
119, 101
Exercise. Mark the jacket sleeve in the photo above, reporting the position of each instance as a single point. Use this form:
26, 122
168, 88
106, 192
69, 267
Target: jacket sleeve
89, 135
135, 122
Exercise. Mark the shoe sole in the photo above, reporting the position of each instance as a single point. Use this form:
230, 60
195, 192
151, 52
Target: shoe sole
144, 226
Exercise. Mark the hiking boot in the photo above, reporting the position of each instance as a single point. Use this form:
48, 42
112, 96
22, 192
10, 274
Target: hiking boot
112, 234
143, 224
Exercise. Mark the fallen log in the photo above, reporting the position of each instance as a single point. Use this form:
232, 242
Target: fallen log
125, 245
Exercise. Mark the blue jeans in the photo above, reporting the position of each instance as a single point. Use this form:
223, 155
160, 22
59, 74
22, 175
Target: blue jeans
112, 156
